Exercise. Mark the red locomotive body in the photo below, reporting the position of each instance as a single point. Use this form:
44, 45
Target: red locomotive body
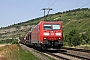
47, 35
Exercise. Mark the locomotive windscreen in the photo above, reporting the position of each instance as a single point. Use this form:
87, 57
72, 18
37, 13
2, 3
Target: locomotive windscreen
51, 26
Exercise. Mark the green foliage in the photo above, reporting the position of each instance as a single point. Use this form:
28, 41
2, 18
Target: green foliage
85, 39
26, 55
75, 39
13, 41
72, 38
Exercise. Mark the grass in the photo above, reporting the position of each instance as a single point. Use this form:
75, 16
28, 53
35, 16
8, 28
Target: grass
87, 47
15, 52
26, 55
9, 52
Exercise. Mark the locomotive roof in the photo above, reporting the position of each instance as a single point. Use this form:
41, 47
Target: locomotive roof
50, 22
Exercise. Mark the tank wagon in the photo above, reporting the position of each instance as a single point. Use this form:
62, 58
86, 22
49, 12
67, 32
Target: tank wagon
45, 35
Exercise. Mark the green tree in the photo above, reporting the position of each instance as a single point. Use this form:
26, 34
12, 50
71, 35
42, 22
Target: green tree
73, 38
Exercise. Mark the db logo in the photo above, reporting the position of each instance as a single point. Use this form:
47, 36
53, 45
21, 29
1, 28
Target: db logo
52, 33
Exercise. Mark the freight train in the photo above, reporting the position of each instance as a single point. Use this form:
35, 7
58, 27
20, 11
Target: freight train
45, 35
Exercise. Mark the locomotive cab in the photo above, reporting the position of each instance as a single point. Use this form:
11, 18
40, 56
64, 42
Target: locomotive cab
52, 35
47, 35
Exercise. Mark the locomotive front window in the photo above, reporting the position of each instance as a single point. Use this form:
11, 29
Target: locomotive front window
47, 27
51, 27
56, 27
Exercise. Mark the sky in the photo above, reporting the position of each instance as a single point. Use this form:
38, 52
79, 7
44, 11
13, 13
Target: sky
16, 11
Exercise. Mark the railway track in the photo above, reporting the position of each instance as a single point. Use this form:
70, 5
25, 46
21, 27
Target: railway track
66, 54
74, 49
75, 57
57, 57
71, 54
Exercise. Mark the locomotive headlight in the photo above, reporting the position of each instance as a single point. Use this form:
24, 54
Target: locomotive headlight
46, 34
24, 38
58, 38
58, 34
45, 38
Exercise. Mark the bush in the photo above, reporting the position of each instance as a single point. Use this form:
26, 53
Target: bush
15, 42
72, 38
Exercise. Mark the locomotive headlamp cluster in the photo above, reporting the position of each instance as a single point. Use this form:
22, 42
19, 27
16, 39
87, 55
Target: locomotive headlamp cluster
46, 34
59, 38
24, 38
58, 34
45, 38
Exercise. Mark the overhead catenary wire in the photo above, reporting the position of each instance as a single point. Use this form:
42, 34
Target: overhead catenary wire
47, 4
50, 6
52, 3
36, 8
48, 9
85, 4
80, 2
77, 3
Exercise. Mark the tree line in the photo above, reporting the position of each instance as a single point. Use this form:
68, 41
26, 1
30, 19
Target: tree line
73, 38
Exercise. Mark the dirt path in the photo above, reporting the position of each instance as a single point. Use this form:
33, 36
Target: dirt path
2, 45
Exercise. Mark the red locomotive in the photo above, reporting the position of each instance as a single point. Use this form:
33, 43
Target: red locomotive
46, 35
